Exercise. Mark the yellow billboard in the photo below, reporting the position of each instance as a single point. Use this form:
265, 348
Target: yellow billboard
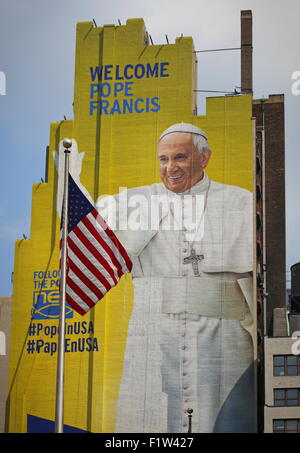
177, 333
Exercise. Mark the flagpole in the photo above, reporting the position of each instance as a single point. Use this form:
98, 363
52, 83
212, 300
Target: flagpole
190, 412
59, 408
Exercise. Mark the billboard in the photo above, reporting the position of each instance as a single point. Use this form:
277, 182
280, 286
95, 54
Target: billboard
178, 332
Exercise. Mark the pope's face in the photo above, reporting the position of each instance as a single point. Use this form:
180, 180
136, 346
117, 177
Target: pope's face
181, 164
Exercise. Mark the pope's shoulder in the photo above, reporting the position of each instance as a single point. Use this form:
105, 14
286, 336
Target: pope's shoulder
152, 189
219, 187
234, 196
131, 193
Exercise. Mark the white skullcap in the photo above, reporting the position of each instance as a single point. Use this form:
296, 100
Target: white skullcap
183, 127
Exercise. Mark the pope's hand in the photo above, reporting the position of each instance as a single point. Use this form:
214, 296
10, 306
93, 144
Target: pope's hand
75, 159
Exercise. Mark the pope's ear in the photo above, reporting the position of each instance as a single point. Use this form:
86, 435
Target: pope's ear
206, 156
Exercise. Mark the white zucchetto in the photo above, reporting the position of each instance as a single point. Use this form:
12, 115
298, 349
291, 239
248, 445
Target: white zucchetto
183, 127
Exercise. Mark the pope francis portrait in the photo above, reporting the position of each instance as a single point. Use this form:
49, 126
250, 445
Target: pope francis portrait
189, 348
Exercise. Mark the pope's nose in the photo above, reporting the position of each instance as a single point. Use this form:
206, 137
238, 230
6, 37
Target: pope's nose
172, 166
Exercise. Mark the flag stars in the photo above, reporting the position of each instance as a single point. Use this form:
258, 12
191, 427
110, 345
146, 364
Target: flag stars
79, 206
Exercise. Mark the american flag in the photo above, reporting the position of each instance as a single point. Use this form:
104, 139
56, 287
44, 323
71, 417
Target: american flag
96, 260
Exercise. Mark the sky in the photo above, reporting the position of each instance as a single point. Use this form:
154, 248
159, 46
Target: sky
37, 54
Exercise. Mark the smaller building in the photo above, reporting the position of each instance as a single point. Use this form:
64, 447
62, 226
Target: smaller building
5, 321
282, 374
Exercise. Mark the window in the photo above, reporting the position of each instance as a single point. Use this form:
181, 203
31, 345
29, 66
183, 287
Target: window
286, 426
287, 397
279, 365
286, 365
292, 365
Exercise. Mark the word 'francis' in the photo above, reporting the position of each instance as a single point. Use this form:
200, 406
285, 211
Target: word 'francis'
117, 97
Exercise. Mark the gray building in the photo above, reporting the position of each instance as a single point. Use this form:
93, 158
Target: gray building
5, 321
282, 374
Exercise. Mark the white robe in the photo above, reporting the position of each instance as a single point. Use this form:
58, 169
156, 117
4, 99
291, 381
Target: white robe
189, 337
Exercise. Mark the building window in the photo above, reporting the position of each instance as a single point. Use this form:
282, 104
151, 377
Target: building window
287, 397
286, 365
286, 426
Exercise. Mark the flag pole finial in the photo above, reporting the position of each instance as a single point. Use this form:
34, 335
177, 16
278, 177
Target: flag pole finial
189, 411
67, 143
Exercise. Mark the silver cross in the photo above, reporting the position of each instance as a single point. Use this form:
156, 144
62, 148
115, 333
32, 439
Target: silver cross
193, 258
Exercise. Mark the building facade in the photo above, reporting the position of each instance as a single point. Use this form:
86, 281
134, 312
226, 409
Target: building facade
282, 376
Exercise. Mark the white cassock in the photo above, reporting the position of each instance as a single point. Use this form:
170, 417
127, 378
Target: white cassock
189, 339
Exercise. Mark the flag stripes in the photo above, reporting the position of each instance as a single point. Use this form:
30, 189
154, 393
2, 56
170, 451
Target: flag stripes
87, 239
88, 262
96, 260
103, 241
120, 251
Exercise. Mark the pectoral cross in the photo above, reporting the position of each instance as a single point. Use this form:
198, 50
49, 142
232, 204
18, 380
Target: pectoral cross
193, 258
